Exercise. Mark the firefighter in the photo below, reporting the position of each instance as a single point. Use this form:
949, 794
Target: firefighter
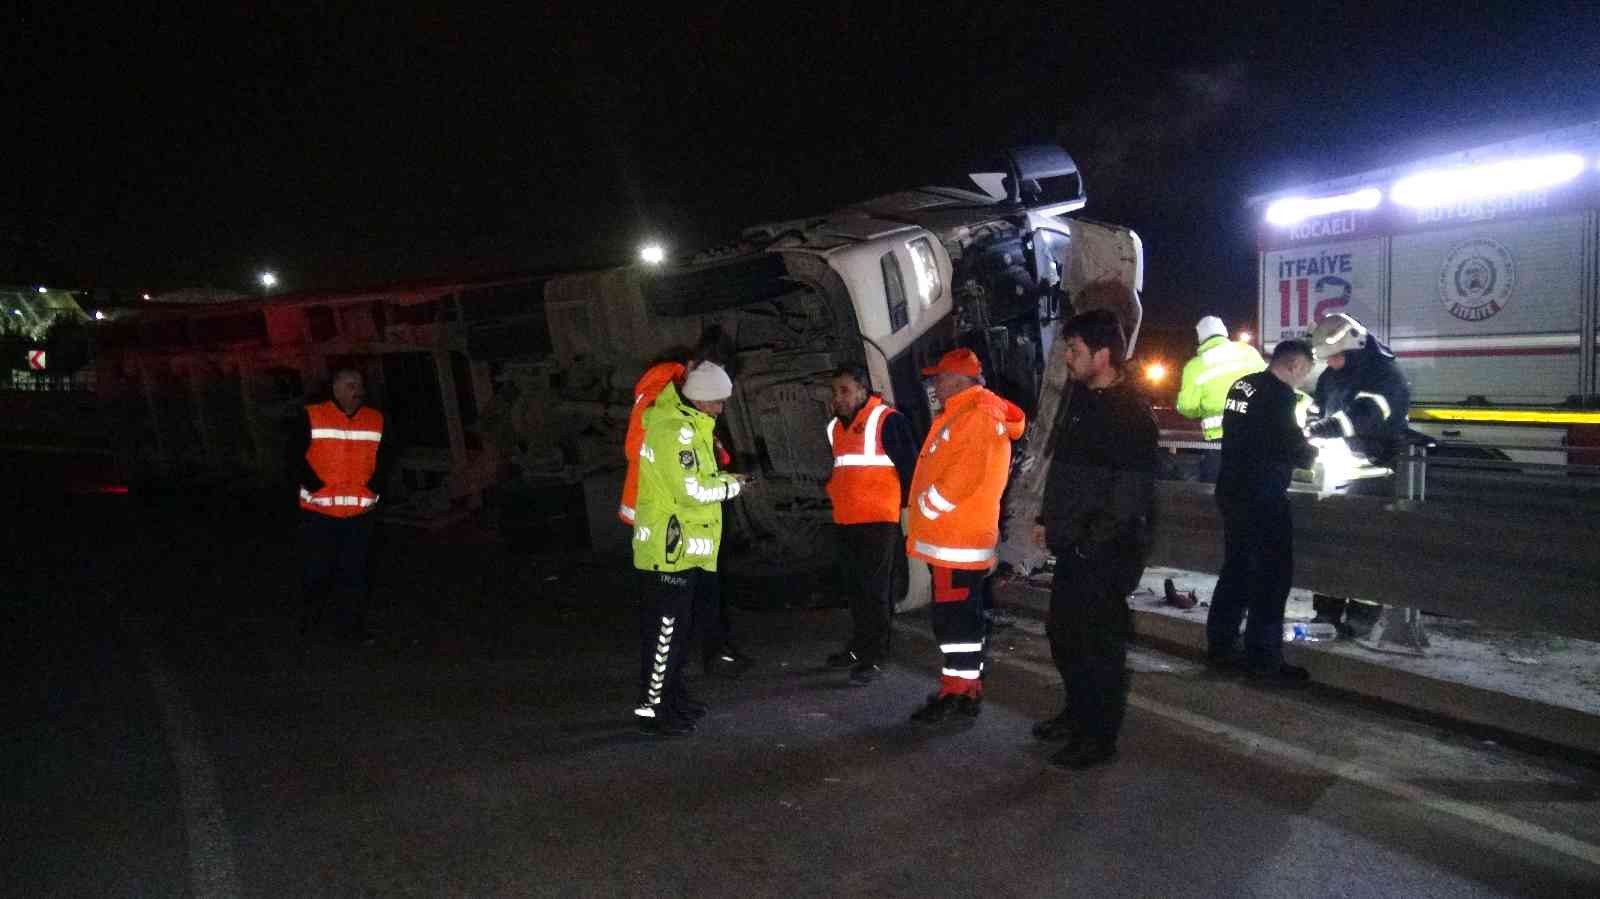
953, 516
718, 654
1262, 445
1363, 399
1097, 519
341, 459
676, 538
1218, 362
874, 456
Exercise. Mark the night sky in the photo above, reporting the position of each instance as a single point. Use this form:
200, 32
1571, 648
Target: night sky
171, 150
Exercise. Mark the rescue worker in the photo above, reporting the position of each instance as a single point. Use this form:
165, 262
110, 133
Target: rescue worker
676, 538
1097, 519
341, 460
874, 457
953, 516
1262, 445
1364, 399
1218, 362
718, 654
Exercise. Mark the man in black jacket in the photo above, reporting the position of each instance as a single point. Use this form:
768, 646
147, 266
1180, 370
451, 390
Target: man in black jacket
1262, 445
1096, 519
1364, 399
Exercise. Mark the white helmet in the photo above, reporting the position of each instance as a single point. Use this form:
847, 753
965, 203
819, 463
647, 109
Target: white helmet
1338, 333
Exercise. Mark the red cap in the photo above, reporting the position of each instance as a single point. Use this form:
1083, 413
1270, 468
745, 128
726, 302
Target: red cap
957, 362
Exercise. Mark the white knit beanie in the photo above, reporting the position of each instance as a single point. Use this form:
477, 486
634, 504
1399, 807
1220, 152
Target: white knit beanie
1210, 327
707, 383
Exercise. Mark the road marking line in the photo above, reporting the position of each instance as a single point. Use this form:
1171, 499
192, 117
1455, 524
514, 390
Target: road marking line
211, 868
1344, 770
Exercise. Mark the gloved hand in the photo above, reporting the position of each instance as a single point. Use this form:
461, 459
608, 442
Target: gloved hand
1324, 427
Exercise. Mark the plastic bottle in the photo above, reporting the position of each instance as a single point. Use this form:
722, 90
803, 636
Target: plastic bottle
1310, 632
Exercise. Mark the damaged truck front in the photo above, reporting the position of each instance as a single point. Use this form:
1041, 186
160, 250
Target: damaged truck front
890, 284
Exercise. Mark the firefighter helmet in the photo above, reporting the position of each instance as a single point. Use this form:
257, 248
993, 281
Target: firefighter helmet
1338, 333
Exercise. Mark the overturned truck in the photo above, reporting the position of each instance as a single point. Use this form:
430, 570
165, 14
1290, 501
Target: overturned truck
511, 385
889, 284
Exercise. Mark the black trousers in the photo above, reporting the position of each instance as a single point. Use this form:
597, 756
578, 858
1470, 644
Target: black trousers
712, 624
672, 607
959, 626
1089, 627
1257, 572
333, 574
867, 552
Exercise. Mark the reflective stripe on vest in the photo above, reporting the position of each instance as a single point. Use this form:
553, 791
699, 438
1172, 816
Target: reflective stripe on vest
954, 554
336, 500
871, 454
343, 452
865, 487
626, 513
1214, 421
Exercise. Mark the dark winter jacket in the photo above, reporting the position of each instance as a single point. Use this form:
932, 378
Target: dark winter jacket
1370, 398
1261, 440
1099, 498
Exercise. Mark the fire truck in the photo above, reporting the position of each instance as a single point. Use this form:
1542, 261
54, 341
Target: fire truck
1478, 268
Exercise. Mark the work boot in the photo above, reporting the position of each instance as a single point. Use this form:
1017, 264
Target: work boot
949, 708
658, 721
937, 709
729, 662
864, 673
1057, 728
844, 658
1087, 754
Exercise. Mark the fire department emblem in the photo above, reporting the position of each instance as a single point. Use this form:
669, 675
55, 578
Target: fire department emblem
1476, 280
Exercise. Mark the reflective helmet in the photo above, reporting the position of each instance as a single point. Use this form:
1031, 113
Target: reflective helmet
1338, 333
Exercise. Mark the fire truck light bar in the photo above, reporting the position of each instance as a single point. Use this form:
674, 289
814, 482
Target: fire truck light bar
1291, 210
1446, 186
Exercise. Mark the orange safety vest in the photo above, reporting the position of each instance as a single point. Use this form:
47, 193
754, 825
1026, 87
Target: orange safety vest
953, 518
865, 488
644, 396
344, 454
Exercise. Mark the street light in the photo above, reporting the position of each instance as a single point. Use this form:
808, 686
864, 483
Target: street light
1245, 336
653, 253
1155, 373
44, 290
268, 280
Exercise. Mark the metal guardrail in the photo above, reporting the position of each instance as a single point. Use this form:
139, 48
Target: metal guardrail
1490, 548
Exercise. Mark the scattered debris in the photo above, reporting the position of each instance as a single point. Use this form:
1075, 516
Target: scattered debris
1185, 600
1522, 660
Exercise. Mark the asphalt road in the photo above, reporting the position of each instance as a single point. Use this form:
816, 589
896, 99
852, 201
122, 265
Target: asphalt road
166, 735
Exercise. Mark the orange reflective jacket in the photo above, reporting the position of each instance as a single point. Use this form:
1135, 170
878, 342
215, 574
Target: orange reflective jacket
644, 396
865, 488
344, 454
953, 518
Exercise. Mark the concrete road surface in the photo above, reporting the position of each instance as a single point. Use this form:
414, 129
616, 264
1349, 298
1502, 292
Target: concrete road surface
167, 735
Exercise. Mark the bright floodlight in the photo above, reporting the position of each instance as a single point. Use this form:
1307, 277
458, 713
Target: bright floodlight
1290, 210
44, 290
1446, 186
268, 279
99, 316
1155, 372
147, 296
653, 253
1245, 337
